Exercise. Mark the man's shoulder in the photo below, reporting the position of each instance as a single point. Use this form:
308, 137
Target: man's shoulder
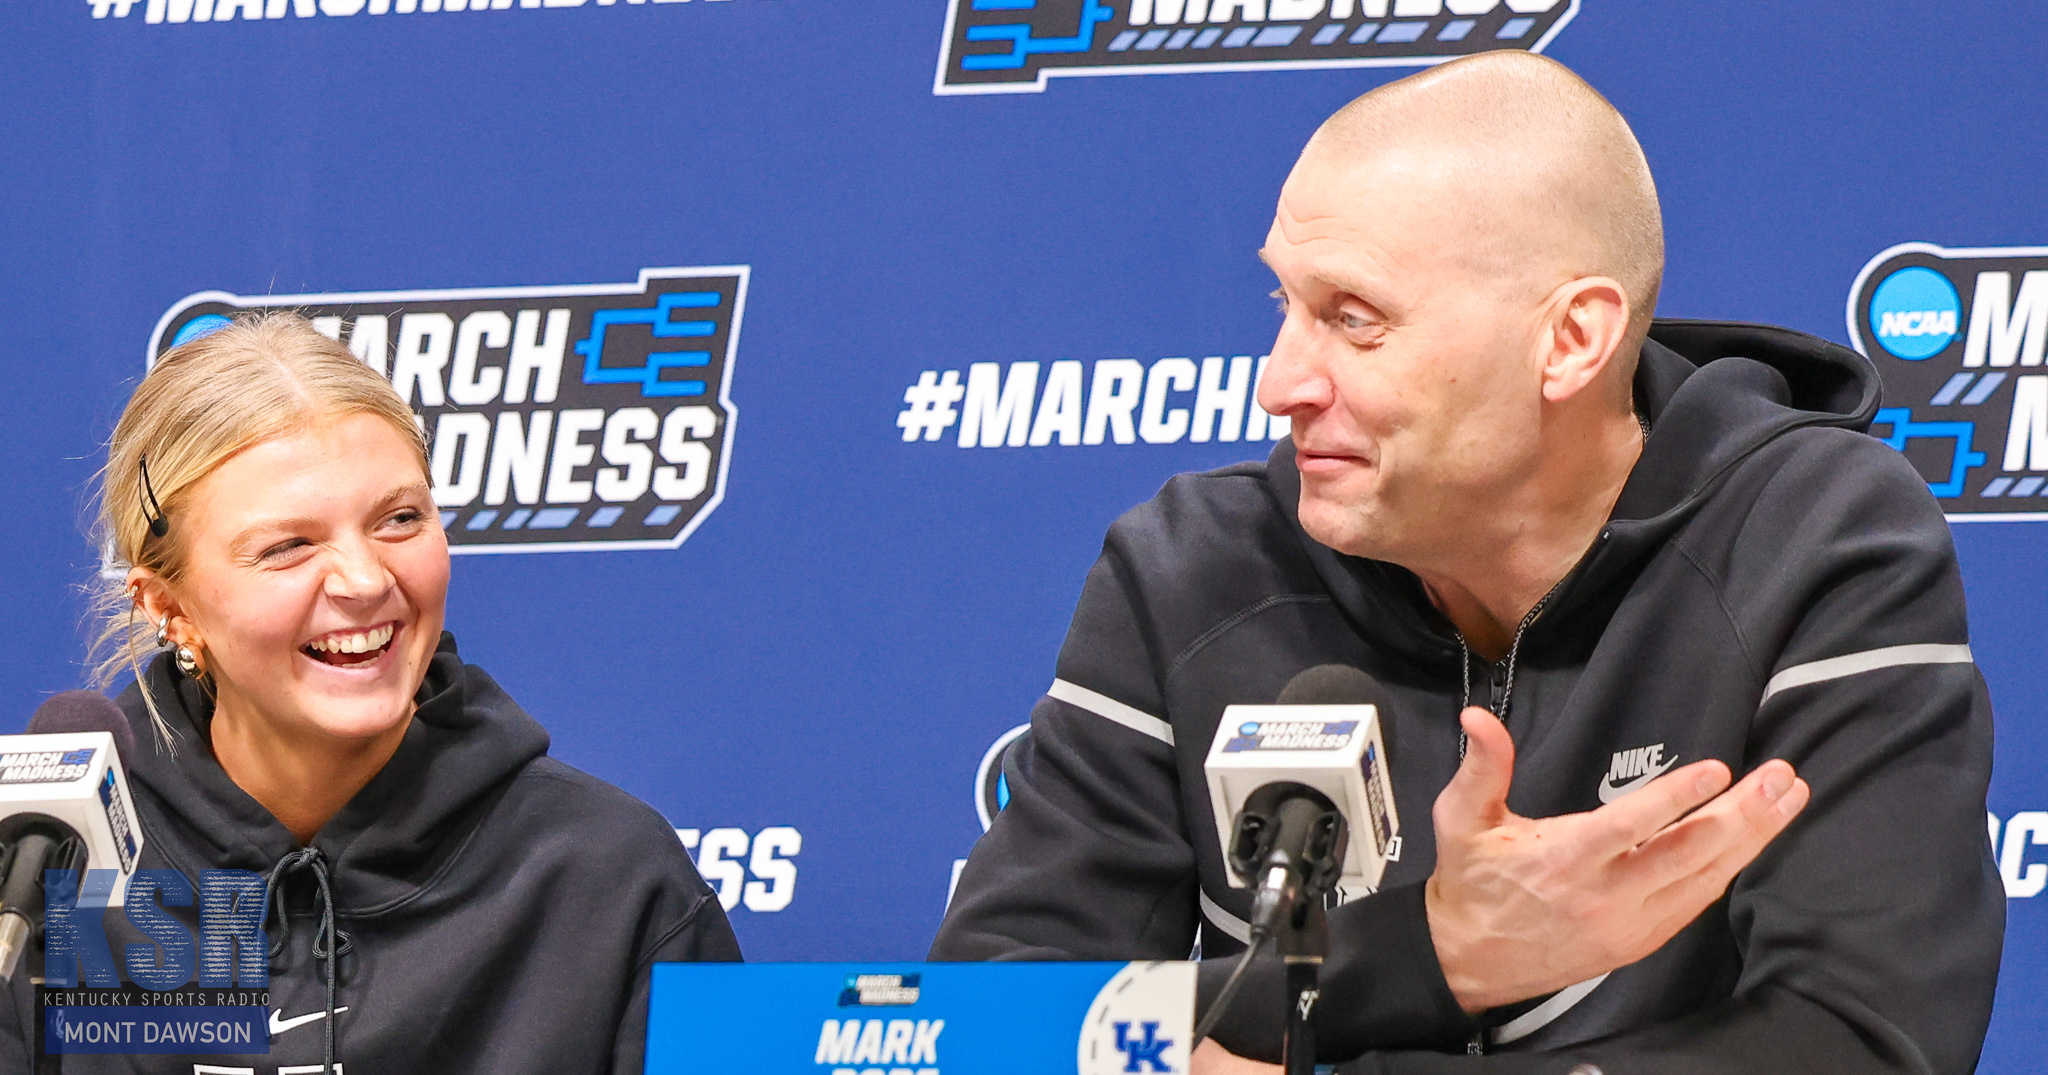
1814, 499
1832, 476
1210, 519
1209, 550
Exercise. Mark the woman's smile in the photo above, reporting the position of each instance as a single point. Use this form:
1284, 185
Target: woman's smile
354, 648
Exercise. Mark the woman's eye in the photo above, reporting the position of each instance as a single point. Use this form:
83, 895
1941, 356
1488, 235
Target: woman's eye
283, 549
405, 521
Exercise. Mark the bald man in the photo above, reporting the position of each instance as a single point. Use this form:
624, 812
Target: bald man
1688, 739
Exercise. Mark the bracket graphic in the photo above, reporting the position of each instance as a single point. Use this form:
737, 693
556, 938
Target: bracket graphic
648, 376
1904, 428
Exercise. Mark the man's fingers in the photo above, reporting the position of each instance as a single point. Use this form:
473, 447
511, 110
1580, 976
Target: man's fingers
1213, 1059
1725, 835
1477, 796
1687, 895
1641, 814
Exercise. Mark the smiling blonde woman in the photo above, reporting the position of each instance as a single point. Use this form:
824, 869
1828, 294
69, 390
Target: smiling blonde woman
492, 909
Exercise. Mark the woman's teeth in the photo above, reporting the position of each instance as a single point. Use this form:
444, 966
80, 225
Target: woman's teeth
351, 643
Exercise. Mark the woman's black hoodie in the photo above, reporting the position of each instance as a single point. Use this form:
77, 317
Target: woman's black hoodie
501, 908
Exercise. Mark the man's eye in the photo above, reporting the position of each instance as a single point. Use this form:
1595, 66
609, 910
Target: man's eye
1354, 321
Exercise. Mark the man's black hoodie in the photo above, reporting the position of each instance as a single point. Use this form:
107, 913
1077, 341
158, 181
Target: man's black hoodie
501, 908
1772, 583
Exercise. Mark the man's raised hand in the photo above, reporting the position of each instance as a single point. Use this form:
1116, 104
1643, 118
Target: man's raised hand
1521, 907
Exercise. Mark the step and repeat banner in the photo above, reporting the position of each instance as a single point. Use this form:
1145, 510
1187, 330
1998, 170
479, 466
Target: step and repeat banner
787, 359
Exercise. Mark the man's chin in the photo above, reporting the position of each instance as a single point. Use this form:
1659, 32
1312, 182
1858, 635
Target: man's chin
1345, 529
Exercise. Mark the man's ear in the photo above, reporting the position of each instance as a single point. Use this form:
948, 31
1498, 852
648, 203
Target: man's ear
1587, 321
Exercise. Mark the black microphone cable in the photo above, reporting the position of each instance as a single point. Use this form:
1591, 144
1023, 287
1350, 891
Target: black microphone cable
1266, 908
1224, 996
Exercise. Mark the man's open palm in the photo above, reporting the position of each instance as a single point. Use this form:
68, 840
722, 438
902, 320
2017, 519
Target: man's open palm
1521, 907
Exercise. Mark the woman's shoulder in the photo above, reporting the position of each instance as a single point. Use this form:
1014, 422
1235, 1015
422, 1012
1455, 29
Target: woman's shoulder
560, 798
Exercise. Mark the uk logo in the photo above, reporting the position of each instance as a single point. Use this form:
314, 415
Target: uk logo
1958, 338
1143, 1054
1014, 46
579, 417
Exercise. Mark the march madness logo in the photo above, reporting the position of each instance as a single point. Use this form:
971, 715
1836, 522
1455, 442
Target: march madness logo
581, 417
1013, 46
1958, 337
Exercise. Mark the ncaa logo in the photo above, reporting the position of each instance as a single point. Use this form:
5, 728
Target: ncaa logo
579, 417
991, 788
1014, 46
1958, 338
1913, 313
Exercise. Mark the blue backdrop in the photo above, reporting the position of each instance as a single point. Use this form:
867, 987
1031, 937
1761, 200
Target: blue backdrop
843, 634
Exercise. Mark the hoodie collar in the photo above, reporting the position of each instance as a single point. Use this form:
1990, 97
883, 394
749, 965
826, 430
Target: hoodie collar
467, 739
1713, 392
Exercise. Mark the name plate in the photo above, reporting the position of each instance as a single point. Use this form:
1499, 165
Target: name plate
920, 1018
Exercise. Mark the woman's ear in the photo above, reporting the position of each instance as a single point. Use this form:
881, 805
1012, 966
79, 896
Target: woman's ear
155, 602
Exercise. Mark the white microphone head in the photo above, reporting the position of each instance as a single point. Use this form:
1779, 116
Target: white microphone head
1333, 743
74, 776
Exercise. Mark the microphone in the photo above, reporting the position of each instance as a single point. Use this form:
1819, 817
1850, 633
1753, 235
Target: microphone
64, 803
1303, 787
1303, 805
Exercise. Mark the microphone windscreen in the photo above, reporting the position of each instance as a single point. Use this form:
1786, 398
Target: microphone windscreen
83, 711
1340, 684
1333, 684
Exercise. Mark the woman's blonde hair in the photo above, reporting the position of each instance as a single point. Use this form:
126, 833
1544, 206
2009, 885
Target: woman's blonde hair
260, 376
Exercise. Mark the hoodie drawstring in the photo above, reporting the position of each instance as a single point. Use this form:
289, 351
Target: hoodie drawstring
329, 944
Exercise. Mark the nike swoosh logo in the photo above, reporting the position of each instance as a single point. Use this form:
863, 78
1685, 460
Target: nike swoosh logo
279, 1024
1611, 791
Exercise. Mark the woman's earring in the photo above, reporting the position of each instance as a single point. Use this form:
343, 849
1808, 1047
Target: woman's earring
163, 633
188, 662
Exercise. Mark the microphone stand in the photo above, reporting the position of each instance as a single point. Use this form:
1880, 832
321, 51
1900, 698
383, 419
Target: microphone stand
1303, 941
1292, 838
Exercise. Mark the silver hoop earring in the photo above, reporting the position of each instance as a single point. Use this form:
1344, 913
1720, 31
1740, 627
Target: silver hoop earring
163, 633
188, 662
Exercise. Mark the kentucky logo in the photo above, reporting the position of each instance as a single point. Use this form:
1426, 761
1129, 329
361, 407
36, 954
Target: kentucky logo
1013, 46
1143, 1054
582, 417
1958, 338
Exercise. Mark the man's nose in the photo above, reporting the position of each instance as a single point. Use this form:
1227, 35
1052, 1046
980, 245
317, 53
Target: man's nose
1294, 380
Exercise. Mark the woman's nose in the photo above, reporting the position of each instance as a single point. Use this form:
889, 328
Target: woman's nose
358, 575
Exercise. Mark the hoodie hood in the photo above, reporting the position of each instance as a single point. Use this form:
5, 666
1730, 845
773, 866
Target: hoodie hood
467, 740
1713, 393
